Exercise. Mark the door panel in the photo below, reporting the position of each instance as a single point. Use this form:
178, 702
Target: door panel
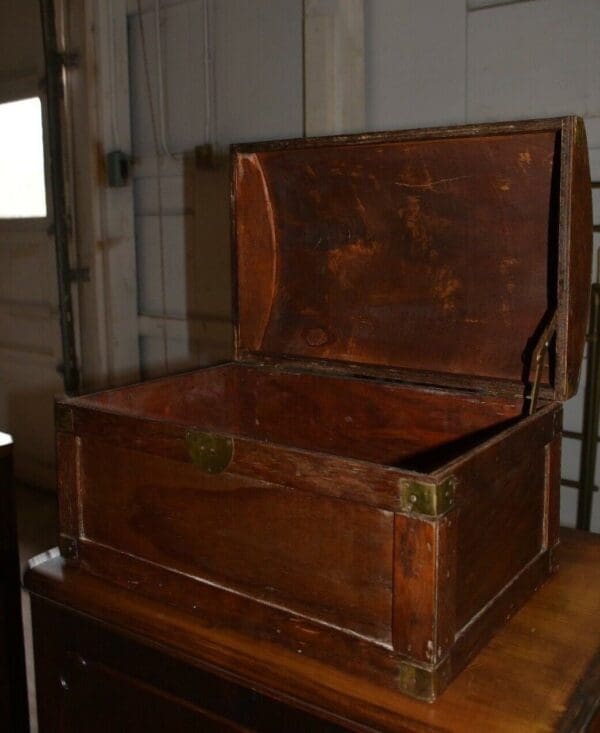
30, 346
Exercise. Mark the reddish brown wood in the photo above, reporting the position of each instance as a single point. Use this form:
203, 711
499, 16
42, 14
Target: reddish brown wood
363, 282
243, 533
386, 501
552, 510
186, 529
425, 603
350, 249
67, 454
316, 412
582, 711
446, 585
184, 398
224, 610
414, 620
539, 673
91, 679
312, 471
579, 235
503, 487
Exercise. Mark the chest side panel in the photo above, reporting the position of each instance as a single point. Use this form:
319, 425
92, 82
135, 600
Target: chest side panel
323, 557
507, 516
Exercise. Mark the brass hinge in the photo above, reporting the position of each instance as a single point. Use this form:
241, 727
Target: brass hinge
431, 499
212, 453
539, 359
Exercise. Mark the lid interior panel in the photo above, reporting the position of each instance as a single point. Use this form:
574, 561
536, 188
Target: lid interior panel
436, 255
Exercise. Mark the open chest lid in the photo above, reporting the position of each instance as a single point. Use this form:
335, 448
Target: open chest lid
446, 256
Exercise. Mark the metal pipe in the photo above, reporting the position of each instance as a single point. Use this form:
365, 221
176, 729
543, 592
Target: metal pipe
570, 484
591, 413
54, 69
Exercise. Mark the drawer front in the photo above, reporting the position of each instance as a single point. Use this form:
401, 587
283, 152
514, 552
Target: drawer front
91, 679
327, 558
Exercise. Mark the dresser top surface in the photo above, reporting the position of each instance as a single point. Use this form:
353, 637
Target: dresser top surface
542, 670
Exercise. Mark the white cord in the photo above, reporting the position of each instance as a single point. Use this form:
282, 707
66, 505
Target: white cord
161, 101
161, 238
207, 77
113, 76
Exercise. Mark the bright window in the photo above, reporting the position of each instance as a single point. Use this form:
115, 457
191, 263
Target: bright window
22, 184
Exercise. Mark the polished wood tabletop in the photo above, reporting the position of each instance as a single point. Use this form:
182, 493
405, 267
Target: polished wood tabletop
540, 673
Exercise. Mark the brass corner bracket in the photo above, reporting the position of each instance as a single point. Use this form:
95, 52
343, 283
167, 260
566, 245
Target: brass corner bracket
424, 683
430, 499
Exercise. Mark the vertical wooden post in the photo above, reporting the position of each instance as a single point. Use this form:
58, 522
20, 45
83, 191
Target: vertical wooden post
96, 111
423, 624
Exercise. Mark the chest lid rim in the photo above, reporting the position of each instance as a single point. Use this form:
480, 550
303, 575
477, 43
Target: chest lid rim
568, 295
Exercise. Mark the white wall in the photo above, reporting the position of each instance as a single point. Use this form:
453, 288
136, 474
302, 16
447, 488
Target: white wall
415, 63
258, 70
256, 66
534, 59
437, 62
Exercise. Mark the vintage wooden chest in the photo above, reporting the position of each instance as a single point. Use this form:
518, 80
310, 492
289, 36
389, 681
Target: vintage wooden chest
374, 481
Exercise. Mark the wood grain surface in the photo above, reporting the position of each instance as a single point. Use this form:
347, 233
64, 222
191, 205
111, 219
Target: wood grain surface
309, 518
383, 495
408, 427
539, 673
352, 249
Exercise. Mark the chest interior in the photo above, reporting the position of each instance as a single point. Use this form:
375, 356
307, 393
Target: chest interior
383, 422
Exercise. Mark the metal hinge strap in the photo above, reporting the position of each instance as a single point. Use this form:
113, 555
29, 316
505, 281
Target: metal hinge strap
539, 359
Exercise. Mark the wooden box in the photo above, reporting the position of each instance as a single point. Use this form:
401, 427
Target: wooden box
365, 483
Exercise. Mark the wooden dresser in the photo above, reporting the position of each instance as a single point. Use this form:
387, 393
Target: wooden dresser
108, 659
13, 684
